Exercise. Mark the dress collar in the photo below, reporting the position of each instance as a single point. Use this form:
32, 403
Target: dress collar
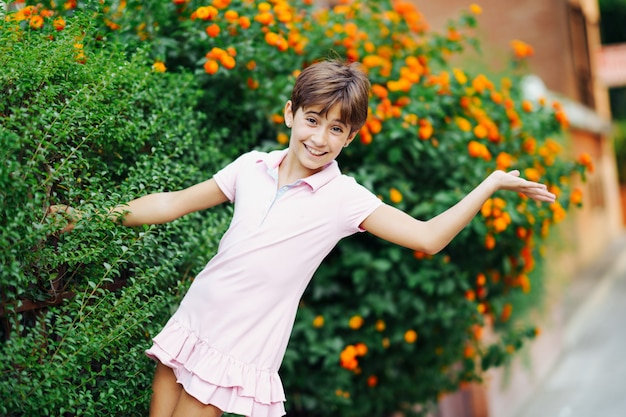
273, 159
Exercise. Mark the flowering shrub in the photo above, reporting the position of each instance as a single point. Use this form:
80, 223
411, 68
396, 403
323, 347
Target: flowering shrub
381, 328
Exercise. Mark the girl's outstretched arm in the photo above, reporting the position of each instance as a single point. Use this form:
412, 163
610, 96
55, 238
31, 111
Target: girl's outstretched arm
157, 208
433, 235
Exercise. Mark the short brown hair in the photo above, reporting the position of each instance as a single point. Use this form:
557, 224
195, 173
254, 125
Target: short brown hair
333, 82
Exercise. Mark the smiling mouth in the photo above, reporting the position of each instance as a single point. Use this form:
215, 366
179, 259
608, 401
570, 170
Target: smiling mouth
313, 151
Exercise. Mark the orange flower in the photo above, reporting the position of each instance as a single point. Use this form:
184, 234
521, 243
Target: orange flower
252, 83
532, 174
527, 255
529, 145
400, 85
421, 255
521, 233
585, 160
527, 106
221, 4
576, 197
244, 22
347, 358
410, 336
496, 97
277, 118
395, 196
159, 66
228, 62
521, 49
426, 130
355, 322
59, 23
475, 149
231, 15
463, 124
476, 9
374, 125
379, 91
264, 7
264, 18
481, 83
361, 349
490, 242
459, 75
524, 282
372, 381
206, 12
481, 279
558, 212
211, 66
454, 35
561, 117
380, 325
282, 138
477, 332
272, 38
213, 30
36, 22
366, 136
480, 131
500, 224
478, 150
504, 161
318, 321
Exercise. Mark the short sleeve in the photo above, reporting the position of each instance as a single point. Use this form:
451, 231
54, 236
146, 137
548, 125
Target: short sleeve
226, 178
358, 204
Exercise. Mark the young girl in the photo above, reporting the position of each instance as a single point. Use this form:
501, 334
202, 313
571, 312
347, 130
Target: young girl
222, 349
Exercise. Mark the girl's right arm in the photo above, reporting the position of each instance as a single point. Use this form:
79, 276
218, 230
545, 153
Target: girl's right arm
157, 208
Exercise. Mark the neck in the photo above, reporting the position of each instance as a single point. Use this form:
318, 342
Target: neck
289, 171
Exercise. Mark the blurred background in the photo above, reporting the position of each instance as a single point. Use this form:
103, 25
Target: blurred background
579, 58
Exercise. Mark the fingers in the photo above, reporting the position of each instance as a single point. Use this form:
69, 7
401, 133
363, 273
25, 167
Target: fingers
66, 213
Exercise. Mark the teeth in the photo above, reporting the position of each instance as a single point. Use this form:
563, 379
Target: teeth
314, 152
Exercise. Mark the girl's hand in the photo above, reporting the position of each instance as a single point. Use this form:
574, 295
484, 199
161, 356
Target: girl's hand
64, 214
512, 181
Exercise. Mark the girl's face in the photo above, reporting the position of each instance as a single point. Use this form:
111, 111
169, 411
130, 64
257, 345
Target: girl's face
316, 140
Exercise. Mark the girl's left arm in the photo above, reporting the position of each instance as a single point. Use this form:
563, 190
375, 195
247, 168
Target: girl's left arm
433, 235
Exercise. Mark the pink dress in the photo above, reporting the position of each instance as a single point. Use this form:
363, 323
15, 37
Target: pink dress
227, 339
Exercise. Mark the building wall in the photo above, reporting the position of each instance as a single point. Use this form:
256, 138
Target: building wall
540, 23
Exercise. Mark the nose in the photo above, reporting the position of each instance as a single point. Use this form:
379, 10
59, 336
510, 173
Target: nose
319, 138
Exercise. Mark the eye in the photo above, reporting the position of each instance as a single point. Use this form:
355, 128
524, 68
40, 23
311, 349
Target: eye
311, 120
337, 129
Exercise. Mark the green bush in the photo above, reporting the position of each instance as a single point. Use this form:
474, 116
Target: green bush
380, 328
92, 133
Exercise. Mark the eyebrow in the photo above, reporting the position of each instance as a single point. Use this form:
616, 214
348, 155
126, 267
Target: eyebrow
320, 115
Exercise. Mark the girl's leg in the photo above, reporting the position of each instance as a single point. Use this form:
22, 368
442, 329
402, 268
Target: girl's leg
188, 406
165, 392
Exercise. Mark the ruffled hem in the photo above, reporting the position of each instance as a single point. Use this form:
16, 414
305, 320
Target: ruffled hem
213, 377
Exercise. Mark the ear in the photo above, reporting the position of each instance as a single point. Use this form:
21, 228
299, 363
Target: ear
350, 139
288, 113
